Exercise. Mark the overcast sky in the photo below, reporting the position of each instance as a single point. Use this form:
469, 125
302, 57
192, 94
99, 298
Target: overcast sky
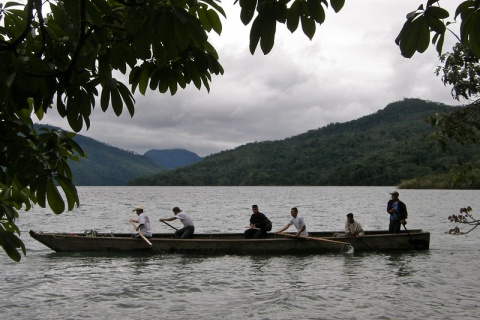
350, 69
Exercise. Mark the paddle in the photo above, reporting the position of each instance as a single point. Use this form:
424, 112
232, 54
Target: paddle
168, 224
140, 233
418, 243
366, 245
313, 238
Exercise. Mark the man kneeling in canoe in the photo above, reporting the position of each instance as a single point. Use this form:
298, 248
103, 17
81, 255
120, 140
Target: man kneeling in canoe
352, 228
298, 222
258, 227
188, 227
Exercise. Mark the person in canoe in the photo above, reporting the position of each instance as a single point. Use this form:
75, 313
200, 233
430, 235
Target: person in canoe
188, 227
352, 228
298, 222
398, 213
259, 224
143, 221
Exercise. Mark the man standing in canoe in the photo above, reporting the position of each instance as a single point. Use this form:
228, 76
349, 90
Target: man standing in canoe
398, 213
188, 227
298, 222
258, 224
144, 223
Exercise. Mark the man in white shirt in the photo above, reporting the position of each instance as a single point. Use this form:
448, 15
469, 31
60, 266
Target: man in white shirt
352, 228
143, 221
298, 222
188, 227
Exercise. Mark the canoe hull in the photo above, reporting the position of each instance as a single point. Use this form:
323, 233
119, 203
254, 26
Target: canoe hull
322, 242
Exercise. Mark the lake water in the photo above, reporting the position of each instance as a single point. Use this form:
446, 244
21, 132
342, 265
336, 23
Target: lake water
442, 283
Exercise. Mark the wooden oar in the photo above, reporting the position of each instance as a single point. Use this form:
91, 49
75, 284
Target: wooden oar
418, 243
168, 224
140, 233
313, 238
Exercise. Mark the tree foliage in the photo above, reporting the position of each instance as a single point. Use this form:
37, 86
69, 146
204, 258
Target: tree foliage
464, 217
461, 67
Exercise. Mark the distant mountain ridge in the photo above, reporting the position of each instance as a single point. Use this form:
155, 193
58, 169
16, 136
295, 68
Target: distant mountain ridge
380, 149
172, 158
107, 165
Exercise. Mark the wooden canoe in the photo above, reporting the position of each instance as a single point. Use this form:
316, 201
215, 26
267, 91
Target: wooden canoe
234, 243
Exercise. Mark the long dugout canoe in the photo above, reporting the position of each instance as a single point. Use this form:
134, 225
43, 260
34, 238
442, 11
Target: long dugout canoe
234, 243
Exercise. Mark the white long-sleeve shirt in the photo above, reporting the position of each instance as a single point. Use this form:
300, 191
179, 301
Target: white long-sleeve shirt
354, 228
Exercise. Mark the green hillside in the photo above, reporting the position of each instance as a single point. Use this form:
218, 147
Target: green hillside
380, 149
108, 166
172, 158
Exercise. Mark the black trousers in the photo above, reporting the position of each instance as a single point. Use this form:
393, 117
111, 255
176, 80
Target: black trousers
185, 232
255, 233
394, 226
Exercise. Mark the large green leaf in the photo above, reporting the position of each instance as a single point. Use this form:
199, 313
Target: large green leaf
435, 24
248, 10
475, 36
215, 21
268, 33
10, 242
105, 98
414, 36
293, 16
117, 103
127, 97
337, 5
316, 11
55, 200
308, 27
437, 12
424, 35
144, 78
70, 191
94, 13
203, 17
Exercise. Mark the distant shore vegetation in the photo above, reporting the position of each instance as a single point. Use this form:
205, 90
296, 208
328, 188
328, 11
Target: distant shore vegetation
464, 177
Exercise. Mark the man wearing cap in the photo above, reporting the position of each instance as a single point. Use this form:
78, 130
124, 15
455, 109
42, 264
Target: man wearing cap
143, 223
188, 227
352, 228
398, 213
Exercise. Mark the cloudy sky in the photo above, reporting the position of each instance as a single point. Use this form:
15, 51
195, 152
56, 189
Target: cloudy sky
350, 69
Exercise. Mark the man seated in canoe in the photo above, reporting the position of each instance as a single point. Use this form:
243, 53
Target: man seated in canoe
143, 220
188, 227
352, 228
259, 225
298, 222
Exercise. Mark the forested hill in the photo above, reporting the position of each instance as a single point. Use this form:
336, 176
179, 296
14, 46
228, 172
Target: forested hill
172, 158
379, 149
107, 165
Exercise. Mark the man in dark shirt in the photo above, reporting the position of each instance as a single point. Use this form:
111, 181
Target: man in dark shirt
258, 224
398, 213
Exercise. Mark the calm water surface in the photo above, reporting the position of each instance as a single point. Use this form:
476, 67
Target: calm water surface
439, 284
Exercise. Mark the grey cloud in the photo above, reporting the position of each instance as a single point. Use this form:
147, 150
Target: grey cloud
350, 69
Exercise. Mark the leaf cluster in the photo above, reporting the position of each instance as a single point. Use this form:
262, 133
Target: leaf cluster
72, 56
430, 19
32, 167
464, 217
267, 13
